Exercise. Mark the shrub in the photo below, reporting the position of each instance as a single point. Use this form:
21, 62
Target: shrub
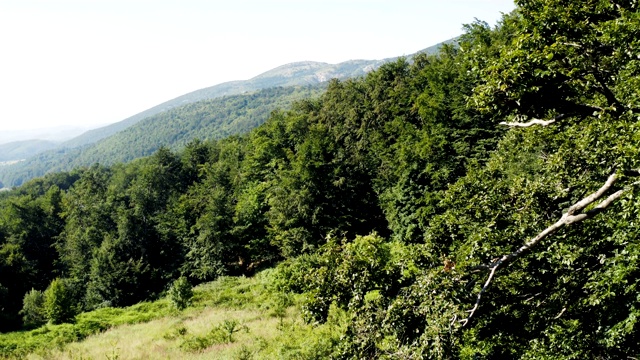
33, 312
58, 302
220, 334
180, 293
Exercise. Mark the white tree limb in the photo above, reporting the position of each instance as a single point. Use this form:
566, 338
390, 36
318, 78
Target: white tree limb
530, 123
572, 216
533, 122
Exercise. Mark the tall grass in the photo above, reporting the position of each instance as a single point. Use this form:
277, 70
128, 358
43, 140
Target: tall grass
19, 344
231, 318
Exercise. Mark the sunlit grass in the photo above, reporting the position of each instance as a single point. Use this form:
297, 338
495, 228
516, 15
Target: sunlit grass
264, 325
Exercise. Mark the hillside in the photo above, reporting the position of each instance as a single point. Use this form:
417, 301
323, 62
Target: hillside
21, 150
140, 141
174, 128
482, 203
230, 318
294, 74
83, 150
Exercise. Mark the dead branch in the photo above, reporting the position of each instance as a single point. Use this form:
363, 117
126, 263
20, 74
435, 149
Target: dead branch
560, 314
572, 216
535, 122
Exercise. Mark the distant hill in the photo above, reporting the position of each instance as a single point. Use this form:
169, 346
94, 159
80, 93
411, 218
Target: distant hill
20, 150
54, 134
122, 141
207, 119
294, 74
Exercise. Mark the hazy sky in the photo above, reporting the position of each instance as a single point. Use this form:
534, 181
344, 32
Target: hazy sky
84, 62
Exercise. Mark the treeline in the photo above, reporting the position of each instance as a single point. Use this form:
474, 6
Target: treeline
334, 165
208, 119
397, 197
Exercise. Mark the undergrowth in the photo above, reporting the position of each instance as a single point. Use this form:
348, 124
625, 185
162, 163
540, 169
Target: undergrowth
230, 318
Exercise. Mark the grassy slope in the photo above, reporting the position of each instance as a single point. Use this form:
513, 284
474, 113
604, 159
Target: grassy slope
269, 326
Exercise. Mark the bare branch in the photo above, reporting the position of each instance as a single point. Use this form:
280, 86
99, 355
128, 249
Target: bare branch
477, 304
536, 121
570, 217
530, 123
560, 314
583, 110
593, 197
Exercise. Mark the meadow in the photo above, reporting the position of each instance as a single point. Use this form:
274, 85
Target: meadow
230, 318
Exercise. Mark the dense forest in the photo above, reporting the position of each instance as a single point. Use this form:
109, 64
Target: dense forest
479, 203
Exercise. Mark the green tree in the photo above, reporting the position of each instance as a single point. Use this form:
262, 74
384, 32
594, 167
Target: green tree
33, 310
59, 305
180, 293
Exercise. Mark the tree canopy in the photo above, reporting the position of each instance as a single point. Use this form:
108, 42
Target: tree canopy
477, 203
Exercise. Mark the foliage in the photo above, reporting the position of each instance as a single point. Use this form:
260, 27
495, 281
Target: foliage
396, 204
58, 302
173, 127
241, 313
219, 334
33, 310
180, 293
50, 336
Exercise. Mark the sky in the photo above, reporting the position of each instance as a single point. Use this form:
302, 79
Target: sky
95, 62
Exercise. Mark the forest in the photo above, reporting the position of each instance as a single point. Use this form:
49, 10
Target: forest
478, 203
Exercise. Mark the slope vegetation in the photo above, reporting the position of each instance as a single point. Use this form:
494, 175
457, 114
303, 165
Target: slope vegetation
210, 119
80, 150
21, 150
481, 203
294, 74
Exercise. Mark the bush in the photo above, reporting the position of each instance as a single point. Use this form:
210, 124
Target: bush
220, 334
58, 302
180, 293
33, 312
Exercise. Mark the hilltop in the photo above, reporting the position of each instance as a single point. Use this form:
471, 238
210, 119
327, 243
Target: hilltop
242, 105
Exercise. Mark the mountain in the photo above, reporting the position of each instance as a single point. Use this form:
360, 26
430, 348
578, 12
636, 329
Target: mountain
294, 74
54, 134
205, 120
19, 150
244, 104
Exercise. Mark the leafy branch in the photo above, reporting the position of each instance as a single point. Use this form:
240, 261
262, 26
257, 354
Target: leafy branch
572, 216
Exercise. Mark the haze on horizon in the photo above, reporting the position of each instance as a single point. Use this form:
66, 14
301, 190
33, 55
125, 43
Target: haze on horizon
85, 63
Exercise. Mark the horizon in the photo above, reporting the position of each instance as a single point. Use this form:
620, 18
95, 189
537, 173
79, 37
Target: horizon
80, 64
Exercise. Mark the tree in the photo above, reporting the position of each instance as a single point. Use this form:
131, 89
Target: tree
33, 310
566, 78
180, 293
59, 305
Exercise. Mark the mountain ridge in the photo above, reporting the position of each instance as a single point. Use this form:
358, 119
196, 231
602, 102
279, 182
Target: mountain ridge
282, 75
295, 74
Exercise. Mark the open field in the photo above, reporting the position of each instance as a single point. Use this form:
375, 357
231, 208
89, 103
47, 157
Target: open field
231, 318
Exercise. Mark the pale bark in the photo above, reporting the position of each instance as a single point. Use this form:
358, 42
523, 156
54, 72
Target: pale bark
572, 216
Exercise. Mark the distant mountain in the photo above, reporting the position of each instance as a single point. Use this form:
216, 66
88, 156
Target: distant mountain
54, 134
20, 150
294, 74
433, 50
123, 142
207, 119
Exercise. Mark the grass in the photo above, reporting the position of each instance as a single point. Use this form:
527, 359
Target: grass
231, 318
